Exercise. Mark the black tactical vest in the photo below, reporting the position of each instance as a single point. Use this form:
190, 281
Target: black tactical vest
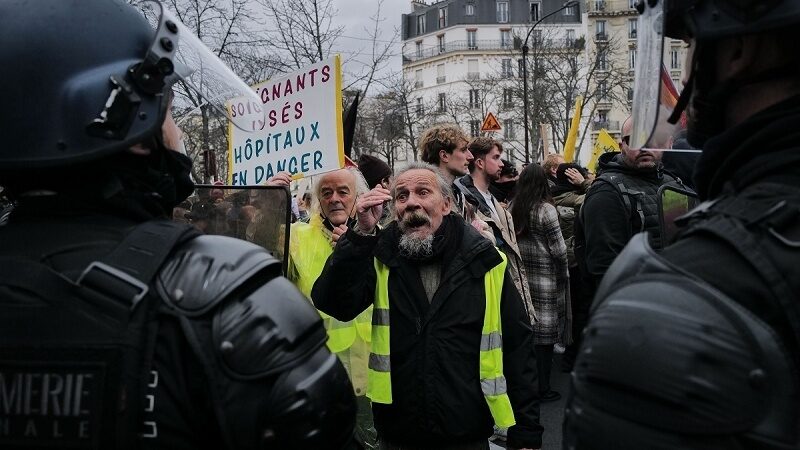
640, 196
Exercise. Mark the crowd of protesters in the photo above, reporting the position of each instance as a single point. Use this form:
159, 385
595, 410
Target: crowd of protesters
556, 225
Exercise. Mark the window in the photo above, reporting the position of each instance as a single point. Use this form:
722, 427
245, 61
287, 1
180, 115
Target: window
521, 68
602, 115
600, 30
472, 69
632, 24
569, 11
419, 108
469, 9
421, 24
505, 38
508, 124
536, 37
475, 128
474, 98
419, 49
472, 42
442, 103
599, 5
507, 73
440, 77
632, 59
443, 17
508, 98
502, 11
536, 11
674, 58
570, 38
418, 78
602, 90
602, 60
442, 47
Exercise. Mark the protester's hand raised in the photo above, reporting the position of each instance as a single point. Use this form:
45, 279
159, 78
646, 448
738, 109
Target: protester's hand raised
280, 179
574, 176
369, 208
338, 232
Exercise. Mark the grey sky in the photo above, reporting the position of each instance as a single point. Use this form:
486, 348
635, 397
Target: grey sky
355, 15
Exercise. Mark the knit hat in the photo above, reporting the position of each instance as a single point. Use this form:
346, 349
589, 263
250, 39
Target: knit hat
373, 169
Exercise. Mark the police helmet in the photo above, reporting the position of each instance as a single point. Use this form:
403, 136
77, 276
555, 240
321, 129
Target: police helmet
84, 79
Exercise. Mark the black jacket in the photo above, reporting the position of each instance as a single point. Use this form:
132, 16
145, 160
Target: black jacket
605, 223
195, 392
437, 399
762, 153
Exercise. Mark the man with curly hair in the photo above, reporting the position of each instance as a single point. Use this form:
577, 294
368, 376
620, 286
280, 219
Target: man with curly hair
445, 146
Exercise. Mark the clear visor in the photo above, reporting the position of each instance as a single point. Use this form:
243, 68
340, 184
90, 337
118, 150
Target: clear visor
655, 96
204, 85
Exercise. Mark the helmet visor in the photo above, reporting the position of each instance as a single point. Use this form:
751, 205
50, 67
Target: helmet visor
205, 84
655, 97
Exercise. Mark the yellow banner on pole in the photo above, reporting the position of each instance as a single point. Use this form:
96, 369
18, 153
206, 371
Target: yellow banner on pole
572, 137
605, 143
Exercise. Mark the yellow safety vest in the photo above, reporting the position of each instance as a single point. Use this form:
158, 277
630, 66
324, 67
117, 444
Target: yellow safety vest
309, 248
493, 383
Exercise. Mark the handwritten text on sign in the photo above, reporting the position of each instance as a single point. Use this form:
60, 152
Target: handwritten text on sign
297, 128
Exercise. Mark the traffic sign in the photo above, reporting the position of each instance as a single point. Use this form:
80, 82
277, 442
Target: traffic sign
491, 123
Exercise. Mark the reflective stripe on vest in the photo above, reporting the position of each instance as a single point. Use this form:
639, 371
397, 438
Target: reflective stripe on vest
493, 383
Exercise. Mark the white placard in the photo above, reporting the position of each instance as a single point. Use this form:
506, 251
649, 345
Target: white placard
297, 128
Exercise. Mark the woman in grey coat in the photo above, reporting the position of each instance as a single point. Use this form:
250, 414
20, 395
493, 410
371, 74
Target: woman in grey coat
544, 255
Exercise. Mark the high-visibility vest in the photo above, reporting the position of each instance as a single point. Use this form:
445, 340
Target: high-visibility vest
309, 249
493, 383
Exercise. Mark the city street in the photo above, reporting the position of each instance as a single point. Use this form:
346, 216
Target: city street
552, 414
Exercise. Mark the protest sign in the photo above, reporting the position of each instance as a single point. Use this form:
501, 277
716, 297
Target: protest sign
301, 131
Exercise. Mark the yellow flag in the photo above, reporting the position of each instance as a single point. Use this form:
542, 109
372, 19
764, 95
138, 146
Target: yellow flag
569, 146
605, 143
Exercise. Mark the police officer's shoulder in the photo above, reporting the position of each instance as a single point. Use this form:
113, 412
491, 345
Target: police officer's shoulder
207, 269
658, 330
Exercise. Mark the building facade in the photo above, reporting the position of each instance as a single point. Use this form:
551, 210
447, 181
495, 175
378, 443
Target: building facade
613, 28
463, 59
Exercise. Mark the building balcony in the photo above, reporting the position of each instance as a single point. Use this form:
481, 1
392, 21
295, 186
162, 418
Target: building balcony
440, 80
490, 45
607, 124
419, 84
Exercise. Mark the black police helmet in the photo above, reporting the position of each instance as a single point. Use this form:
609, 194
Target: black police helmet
72, 92
714, 19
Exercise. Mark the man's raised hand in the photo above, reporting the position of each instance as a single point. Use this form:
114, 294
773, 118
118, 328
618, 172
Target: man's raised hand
369, 208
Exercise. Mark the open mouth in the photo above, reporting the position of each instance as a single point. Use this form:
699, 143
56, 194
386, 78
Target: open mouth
415, 221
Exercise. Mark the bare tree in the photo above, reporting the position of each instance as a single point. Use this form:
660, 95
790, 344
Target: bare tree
305, 30
558, 75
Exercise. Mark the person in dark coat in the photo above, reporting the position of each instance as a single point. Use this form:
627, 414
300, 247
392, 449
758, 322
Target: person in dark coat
435, 271
698, 347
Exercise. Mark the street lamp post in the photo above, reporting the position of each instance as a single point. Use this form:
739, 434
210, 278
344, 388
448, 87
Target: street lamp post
525, 75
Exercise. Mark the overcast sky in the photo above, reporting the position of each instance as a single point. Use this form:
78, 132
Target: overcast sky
355, 15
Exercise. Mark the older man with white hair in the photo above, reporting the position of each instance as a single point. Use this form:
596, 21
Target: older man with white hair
459, 357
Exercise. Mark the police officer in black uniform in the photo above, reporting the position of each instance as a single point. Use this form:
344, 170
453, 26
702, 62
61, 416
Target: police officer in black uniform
118, 328
698, 347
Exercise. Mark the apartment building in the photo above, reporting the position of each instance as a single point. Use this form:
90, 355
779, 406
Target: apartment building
613, 29
464, 59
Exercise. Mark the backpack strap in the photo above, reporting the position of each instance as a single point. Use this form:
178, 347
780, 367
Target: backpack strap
127, 271
629, 196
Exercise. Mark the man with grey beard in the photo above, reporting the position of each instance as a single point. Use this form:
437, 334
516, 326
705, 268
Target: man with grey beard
459, 358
